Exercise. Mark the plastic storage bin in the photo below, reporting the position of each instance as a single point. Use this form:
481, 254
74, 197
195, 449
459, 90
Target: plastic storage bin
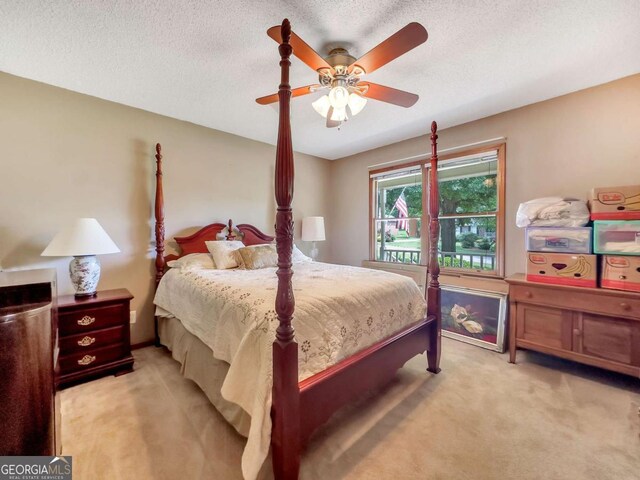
616, 237
558, 239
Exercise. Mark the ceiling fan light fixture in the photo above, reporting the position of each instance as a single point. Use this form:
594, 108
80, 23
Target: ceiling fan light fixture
339, 97
339, 114
356, 103
322, 105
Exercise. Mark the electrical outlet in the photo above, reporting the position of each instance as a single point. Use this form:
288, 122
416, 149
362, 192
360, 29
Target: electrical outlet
132, 316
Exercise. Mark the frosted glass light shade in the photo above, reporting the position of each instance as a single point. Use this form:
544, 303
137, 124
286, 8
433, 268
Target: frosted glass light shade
356, 103
322, 105
339, 97
313, 229
339, 114
84, 237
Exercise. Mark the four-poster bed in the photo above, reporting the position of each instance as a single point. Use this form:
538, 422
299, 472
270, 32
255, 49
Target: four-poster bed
302, 399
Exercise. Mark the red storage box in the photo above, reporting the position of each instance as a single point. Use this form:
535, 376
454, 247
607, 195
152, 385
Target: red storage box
562, 269
615, 203
620, 273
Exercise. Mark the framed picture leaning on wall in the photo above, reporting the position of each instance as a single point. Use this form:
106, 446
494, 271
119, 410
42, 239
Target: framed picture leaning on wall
474, 316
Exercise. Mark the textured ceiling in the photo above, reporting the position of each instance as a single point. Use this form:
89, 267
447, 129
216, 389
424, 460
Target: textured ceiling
206, 61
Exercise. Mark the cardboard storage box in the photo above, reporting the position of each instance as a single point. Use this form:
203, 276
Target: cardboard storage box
615, 203
558, 239
562, 269
616, 237
620, 273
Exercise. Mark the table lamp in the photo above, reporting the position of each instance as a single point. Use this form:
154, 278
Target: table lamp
313, 231
84, 239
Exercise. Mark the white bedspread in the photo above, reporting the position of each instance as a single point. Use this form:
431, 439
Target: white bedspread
339, 311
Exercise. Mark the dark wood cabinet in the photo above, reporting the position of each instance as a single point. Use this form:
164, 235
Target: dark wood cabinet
94, 336
589, 325
29, 406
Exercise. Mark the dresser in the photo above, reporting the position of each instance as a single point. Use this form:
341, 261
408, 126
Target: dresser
594, 326
94, 336
29, 405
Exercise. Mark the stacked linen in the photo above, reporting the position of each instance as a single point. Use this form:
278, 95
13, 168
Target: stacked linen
552, 212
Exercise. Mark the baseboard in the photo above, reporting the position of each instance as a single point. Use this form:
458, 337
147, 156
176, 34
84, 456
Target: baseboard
146, 343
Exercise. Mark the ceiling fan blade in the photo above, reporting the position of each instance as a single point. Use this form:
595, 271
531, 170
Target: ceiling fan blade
389, 95
398, 44
301, 50
296, 92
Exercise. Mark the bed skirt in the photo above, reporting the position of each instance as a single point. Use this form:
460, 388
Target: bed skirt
199, 365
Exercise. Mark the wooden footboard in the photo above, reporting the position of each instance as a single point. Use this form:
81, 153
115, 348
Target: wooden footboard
324, 393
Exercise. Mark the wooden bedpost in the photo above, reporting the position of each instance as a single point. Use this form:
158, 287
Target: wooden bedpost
285, 410
433, 289
160, 263
159, 210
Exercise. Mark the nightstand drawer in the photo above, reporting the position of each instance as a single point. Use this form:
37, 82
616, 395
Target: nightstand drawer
91, 340
91, 358
85, 320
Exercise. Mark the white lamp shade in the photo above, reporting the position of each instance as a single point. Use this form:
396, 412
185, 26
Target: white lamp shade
84, 237
313, 229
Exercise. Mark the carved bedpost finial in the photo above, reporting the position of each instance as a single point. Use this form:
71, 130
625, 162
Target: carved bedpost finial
285, 30
434, 127
230, 234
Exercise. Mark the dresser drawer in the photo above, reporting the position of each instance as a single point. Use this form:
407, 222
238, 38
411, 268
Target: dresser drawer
86, 320
575, 299
91, 358
91, 340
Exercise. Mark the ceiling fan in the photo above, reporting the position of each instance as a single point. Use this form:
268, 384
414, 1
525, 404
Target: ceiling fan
340, 73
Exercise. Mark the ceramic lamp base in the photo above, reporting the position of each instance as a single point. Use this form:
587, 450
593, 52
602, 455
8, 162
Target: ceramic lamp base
85, 274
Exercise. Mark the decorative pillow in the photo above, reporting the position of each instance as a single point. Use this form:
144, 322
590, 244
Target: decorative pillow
222, 252
193, 261
257, 256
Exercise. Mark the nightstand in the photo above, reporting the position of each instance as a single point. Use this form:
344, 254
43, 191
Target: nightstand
94, 336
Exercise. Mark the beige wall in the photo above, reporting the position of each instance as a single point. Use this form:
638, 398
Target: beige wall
65, 155
563, 146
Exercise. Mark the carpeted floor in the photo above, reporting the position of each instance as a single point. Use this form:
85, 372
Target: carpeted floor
480, 418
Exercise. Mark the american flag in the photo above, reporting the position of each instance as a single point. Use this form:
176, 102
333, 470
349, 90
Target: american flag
403, 212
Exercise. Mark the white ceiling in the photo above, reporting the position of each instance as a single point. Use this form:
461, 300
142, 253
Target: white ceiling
206, 61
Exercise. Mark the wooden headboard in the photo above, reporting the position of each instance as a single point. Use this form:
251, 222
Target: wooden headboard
247, 234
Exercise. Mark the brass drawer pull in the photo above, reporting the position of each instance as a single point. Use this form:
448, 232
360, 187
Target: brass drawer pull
625, 306
528, 294
86, 360
86, 341
86, 320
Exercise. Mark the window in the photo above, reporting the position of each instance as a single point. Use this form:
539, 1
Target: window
471, 187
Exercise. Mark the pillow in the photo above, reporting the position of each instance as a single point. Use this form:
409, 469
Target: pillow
257, 256
298, 257
222, 252
193, 260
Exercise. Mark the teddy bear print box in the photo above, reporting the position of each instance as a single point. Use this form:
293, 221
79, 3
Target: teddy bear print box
568, 239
